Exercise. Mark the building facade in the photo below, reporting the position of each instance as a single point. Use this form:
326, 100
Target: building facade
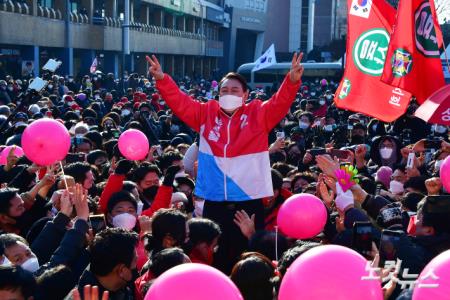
186, 35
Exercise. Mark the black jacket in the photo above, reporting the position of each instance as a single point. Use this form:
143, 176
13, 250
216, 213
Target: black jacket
88, 277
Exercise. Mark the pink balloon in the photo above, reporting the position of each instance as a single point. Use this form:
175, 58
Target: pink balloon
329, 272
193, 282
302, 216
437, 272
45, 141
444, 174
4, 154
133, 144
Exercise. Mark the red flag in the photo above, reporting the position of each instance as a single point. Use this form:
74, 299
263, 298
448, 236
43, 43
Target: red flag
436, 109
93, 67
361, 90
413, 59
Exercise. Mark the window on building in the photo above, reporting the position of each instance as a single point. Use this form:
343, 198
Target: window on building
45, 3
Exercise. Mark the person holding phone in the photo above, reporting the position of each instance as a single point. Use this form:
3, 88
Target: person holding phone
233, 163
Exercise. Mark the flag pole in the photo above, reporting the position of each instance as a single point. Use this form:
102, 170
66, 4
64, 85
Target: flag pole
446, 58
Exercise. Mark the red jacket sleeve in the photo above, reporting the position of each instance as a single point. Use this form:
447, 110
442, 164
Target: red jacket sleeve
183, 106
113, 185
162, 200
278, 106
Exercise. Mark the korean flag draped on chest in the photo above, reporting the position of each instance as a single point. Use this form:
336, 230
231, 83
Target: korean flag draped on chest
361, 90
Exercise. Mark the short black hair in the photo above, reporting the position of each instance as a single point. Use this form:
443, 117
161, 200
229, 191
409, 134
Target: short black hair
94, 155
292, 254
167, 159
167, 222
145, 168
203, 230
6, 194
121, 196
235, 76
111, 247
60, 276
165, 260
78, 171
10, 239
14, 278
277, 179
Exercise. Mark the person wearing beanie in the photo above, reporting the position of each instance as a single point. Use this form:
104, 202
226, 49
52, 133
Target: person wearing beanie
383, 176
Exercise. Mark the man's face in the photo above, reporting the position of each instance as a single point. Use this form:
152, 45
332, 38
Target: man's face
422, 230
398, 175
84, 148
151, 179
89, 181
17, 207
123, 207
359, 132
11, 294
185, 189
18, 253
233, 87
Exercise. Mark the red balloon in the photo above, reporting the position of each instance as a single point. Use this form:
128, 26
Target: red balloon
302, 216
444, 174
45, 142
193, 282
133, 144
4, 154
330, 272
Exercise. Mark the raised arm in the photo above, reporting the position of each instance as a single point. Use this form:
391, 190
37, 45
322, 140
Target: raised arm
183, 106
277, 107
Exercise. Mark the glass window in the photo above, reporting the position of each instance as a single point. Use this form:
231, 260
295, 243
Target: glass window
45, 3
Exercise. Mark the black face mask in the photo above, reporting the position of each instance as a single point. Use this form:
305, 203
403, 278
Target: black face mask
357, 139
150, 193
135, 274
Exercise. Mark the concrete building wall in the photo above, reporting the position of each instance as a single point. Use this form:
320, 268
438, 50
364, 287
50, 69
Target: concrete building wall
277, 26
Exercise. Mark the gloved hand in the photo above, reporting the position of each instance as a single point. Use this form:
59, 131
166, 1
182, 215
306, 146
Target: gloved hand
170, 175
124, 166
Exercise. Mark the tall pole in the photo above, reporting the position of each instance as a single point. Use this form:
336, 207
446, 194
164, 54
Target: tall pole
68, 38
310, 43
125, 39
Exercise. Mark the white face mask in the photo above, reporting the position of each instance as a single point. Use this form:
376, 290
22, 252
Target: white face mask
328, 128
322, 102
5, 262
329, 97
313, 94
125, 113
50, 86
31, 265
20, 123
303, 125
439, 128
386, 153
230, 102
437, 164
198, 208
125, 221
396, 187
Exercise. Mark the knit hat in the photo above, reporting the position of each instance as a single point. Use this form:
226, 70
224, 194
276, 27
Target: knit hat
384, 175
390, 215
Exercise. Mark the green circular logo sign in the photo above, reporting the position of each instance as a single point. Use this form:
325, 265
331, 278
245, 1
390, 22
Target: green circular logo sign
401, 62
369, 51
426, 41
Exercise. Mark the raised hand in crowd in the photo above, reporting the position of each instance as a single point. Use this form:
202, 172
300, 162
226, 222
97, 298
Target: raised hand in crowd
89, 293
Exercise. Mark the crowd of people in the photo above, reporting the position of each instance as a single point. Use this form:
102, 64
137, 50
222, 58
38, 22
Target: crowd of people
102, 220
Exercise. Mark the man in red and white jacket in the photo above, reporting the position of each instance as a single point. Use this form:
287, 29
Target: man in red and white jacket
233, 160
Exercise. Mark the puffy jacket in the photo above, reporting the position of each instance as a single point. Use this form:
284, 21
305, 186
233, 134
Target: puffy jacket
233, 159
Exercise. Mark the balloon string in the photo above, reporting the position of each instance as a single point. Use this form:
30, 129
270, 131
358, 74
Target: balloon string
63, 175
276, 243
